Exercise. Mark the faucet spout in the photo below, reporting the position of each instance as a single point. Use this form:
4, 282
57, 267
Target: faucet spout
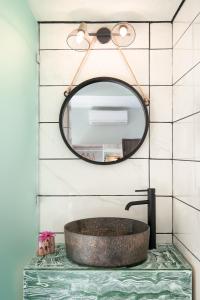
128, 205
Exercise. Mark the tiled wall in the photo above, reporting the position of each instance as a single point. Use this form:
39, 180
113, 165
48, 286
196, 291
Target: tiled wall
70, 188
186, 135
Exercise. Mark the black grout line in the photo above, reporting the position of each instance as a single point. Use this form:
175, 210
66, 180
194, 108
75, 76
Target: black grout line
186, 248
130, 158
186, 73
64, 85
172, 114
188, 116
151, 122
185, 30
47, 122
98, 195
160, 49
98, 49
105, 49
38, 135
160, 122
149, 163
195, 208
186, 160
177, 11
101, 22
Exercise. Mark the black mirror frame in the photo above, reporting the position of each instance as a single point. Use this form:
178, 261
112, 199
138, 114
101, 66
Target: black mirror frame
91, 81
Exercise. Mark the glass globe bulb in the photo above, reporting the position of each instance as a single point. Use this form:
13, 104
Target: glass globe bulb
80, 36
123, 31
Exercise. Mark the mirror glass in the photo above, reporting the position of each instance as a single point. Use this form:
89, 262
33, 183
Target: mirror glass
103, 120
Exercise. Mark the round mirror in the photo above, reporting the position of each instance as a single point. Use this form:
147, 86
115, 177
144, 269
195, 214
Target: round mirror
103, 120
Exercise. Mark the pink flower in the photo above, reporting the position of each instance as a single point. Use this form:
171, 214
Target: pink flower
46, 235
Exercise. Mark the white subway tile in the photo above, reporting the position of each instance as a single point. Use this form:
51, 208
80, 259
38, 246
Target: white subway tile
59, 67
161, 35
57, 211
186, 226
186, 94
161, 103
186, 53
185, 17
186, 138
161, 140
75, 177
161, 176
161, 67
187, 182
164, 239
51, 142
51, 99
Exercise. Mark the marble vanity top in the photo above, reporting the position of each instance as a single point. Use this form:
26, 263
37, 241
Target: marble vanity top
164, 275
165, 257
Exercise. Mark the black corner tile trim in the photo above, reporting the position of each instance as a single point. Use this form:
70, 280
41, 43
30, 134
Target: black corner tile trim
177, 11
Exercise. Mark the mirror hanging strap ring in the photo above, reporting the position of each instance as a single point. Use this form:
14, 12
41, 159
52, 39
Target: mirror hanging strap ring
68, 90
145, 98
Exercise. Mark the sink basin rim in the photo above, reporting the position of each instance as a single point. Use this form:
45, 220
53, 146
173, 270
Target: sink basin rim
107, 236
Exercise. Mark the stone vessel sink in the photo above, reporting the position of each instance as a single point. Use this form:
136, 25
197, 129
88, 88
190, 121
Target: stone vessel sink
107, 242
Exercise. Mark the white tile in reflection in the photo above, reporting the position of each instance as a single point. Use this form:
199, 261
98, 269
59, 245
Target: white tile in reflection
161, 176
186, 226
77, 177
161, 103
161, 35
161, 67
187, 182
161, 140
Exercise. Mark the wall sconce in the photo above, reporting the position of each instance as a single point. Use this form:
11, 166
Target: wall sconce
79, 39
122, 35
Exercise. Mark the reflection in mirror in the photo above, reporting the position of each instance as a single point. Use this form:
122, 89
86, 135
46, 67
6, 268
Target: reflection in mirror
103, 121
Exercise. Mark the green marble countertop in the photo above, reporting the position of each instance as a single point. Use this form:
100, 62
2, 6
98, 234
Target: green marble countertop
165, 257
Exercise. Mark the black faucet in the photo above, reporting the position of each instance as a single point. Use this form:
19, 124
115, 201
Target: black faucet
151, 202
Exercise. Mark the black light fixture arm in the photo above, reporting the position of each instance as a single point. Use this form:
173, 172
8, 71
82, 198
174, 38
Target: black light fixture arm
151, 202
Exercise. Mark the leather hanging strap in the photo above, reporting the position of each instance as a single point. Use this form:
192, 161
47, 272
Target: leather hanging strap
145, 98
69, 88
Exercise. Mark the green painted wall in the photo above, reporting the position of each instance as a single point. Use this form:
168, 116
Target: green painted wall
18, 144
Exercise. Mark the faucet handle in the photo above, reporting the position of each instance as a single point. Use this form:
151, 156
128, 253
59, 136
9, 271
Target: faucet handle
141, 190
